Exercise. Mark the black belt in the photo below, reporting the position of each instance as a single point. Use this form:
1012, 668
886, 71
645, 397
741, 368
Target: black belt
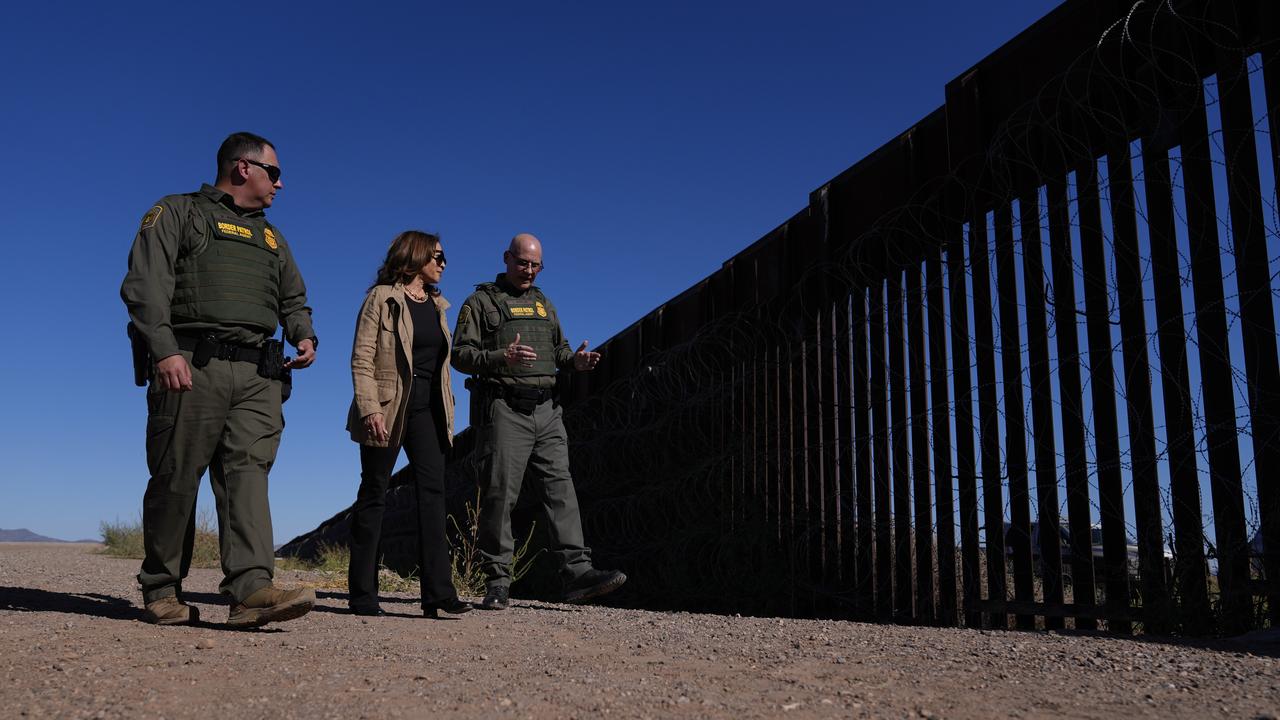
537, 395
510, 392
224, 351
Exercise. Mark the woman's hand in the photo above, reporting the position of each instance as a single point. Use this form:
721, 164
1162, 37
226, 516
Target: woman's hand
374, 426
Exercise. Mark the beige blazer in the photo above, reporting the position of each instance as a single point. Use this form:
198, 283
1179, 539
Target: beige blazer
382, 364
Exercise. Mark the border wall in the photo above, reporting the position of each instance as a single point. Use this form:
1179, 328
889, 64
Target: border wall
1015, 368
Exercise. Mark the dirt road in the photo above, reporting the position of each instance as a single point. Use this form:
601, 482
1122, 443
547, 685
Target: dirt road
72, 645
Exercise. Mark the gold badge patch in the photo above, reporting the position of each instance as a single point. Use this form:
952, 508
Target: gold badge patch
270, 238
234, 230
150, 218
542, 310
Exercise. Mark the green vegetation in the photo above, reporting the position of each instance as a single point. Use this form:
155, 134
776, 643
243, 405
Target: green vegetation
124, 540
332, 559
468, 578
328, 570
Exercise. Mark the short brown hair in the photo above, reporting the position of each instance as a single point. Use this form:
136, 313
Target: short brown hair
238, 145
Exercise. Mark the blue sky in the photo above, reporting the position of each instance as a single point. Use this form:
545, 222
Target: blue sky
645, 143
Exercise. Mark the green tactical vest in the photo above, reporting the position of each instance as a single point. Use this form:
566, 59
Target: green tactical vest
234, 279
530, 316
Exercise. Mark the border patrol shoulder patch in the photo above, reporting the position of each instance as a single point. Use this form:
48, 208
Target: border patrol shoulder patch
270, 237
151, 217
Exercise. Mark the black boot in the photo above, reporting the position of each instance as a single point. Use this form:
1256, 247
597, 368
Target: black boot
498, 598
592, 584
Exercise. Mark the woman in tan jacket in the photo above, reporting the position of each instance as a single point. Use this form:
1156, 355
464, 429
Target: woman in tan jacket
400, 370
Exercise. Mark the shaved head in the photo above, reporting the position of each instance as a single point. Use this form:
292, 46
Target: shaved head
525, 243
524, 261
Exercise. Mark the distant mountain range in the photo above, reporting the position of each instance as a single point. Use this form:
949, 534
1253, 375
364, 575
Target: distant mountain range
25, 535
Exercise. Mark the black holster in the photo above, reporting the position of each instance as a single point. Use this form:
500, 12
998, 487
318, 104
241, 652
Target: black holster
271, 362
142, 367
205, 350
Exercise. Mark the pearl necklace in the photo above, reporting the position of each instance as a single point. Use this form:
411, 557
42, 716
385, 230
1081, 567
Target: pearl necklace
416, 298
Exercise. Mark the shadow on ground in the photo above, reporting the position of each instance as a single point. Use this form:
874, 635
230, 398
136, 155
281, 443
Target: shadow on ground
19, 599
33, 600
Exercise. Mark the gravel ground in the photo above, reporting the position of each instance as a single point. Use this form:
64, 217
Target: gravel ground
72, 645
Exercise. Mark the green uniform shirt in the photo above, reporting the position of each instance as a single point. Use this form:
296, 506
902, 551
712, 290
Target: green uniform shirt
469, 354
165, 236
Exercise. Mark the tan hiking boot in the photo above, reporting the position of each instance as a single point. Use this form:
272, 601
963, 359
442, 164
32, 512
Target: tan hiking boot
271, 604
171, 611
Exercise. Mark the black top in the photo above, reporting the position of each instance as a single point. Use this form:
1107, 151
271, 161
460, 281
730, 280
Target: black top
428, 339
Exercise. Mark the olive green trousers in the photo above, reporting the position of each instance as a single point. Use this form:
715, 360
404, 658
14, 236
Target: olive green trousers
512, 444
229, 424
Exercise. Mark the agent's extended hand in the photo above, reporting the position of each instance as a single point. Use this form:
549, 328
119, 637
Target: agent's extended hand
174, 374
306, 355
583, 360
518, 354
376, 427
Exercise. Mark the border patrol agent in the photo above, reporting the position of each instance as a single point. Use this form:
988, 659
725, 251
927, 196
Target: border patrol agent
209, 281
508, 337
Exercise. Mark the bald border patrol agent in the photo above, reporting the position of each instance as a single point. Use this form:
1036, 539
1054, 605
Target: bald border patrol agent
209, 281
508, 337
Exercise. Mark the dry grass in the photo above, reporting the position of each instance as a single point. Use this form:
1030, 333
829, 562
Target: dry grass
124, 540
468, 578
328, 571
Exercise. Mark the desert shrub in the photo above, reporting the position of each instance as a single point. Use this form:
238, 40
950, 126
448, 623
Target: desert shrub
468, 578
124, 540
329, 570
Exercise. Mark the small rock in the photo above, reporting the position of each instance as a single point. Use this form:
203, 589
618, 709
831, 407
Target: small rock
205, 643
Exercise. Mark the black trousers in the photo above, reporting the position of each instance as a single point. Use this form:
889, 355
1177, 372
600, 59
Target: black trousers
424, 444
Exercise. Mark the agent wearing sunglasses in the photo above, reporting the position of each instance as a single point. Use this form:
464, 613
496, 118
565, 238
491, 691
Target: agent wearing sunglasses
400, 373
509, 338
209, 281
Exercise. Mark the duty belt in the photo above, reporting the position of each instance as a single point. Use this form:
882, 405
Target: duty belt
537, 395
520, 399
220, 350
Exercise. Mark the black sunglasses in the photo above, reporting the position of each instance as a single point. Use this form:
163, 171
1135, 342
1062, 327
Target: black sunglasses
438, 256
273, 171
